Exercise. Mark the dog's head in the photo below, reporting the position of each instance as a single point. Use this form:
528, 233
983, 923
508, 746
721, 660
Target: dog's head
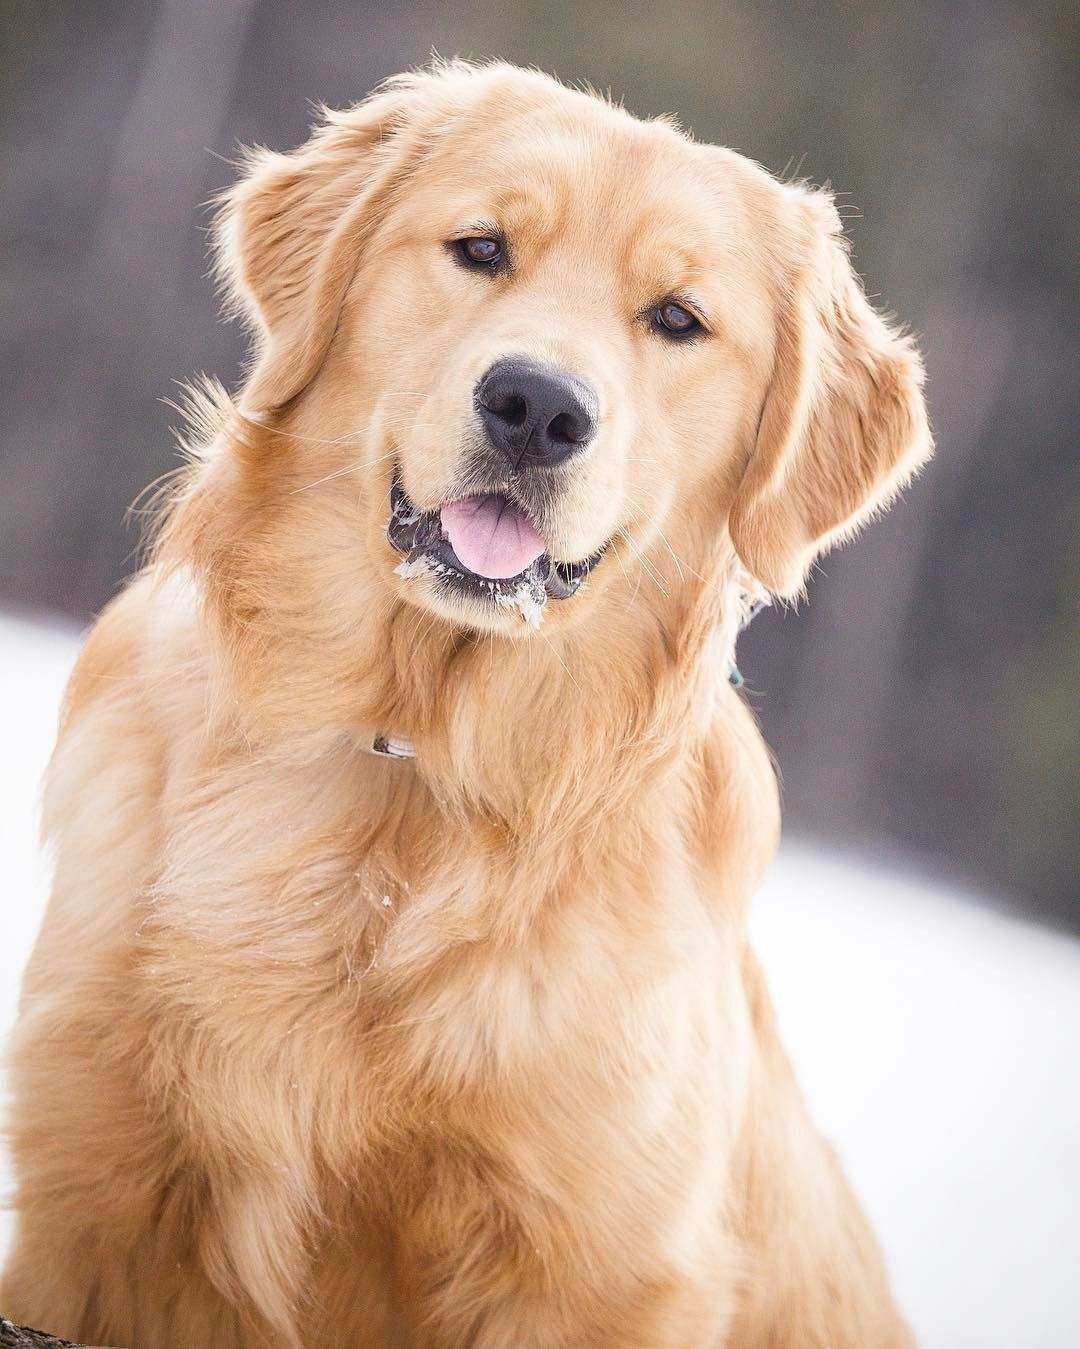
525, 350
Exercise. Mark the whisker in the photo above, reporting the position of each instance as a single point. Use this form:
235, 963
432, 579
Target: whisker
312, 440
680, 563
626, 575
559, 658
349, 468
647, 566
329, 477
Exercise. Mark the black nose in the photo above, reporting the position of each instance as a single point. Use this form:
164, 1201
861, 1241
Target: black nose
535, 415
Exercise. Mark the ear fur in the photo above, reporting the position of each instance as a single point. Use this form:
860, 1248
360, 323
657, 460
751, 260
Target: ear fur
288, 234
844, 423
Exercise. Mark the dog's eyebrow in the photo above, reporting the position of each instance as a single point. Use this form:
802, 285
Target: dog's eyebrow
681, 296
691, 300
481, 227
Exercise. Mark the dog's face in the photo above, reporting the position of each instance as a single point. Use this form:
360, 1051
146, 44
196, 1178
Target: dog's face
561, 349
544, 327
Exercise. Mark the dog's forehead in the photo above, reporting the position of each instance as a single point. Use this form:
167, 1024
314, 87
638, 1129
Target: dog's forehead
589, 174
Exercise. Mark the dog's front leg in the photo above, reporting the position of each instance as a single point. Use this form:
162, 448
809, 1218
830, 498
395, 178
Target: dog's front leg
491, 1292
587, 1253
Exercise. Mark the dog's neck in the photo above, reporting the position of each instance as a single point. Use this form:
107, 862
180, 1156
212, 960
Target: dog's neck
514, 719
552, 727
392, 744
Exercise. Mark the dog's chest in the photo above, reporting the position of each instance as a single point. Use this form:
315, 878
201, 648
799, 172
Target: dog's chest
355, 1003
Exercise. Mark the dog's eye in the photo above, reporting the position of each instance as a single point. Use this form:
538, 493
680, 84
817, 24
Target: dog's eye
480, 251
675, 321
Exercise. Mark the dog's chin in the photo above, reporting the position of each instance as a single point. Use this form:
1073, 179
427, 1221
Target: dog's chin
437, 579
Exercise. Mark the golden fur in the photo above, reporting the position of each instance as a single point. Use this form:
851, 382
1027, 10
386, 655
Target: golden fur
319, 1048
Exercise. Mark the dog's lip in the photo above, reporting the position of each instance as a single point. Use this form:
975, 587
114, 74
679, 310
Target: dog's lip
418, 533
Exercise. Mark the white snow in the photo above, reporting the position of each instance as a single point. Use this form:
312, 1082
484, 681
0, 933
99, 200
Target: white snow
936, 1040
527, 597
524, 599
419, 566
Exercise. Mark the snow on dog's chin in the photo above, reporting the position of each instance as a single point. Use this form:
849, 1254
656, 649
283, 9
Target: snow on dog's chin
419, 566
527, 600
523, 596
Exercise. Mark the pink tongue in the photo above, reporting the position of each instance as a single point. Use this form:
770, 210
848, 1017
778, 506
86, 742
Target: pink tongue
491, 536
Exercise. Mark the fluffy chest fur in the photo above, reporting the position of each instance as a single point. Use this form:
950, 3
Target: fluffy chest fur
364, 995
324, 919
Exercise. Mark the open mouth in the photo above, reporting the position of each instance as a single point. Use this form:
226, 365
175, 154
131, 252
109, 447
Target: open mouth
485, 547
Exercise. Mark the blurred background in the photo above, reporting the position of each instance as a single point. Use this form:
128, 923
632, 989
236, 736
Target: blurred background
924, 701
922, 705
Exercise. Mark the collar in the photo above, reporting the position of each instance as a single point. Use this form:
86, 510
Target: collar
388, 746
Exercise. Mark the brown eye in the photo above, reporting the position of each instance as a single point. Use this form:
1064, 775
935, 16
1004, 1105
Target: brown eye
481, 251
674, 319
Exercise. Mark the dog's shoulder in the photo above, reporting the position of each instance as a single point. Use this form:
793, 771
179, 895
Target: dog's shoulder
133, 641
110, 652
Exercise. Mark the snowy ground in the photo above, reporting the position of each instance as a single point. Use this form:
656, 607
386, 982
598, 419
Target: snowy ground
937, 1042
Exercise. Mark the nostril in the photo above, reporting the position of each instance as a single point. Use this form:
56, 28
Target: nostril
567, 429
511, 408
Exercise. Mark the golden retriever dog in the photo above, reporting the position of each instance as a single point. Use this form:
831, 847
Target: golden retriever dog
395, 987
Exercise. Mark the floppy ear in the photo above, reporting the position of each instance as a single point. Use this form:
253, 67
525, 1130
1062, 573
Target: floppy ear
844, 423
289, 233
